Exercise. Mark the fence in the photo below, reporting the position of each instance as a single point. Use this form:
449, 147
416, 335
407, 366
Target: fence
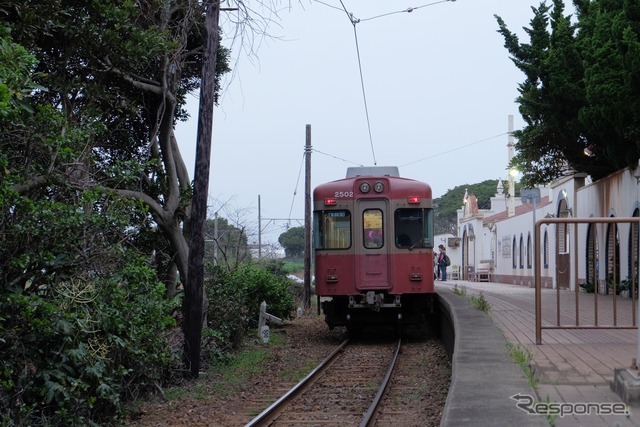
635, 223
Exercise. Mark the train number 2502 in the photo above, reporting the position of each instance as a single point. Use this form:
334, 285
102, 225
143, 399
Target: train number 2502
343, 194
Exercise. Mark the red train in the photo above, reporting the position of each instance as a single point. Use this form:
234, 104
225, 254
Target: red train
373, 244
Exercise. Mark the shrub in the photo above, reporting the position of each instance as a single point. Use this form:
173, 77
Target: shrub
480, 303
73, 354
588, 287
462, 291
234, 304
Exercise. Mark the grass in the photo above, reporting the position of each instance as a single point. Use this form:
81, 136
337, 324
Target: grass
462, 291
480, 303
295, 375
225, 378
293, 267
523, 356
551, 418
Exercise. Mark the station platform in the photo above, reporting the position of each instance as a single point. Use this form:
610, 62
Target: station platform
574, 368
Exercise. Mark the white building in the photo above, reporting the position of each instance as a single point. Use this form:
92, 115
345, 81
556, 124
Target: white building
570, 254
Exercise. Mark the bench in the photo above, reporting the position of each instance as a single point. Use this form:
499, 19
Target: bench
483, 272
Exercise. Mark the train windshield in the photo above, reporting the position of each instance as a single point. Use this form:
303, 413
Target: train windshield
372, 227
332, 229
414, 228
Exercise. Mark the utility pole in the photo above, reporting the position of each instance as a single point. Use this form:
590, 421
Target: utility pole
194, 291
259, 230
511, 192
215, 238
307, 220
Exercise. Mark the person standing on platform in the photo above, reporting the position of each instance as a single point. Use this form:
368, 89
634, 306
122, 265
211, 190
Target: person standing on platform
443, 262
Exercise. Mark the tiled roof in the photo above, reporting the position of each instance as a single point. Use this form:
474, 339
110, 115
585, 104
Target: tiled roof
520, 210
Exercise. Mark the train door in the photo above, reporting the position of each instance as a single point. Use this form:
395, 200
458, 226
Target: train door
373, 243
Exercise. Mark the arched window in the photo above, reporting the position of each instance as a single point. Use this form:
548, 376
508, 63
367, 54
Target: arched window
562, 230
592, 254
521, 252
529, 252
634, 241
613, 255
545, 245
513, 253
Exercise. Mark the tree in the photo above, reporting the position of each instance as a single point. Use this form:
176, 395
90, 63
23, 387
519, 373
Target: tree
574, 78
113, 77
229, 247
446, 207
610, 40
71, 287
292, 241
118, 73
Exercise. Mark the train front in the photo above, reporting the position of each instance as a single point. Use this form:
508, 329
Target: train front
373, 242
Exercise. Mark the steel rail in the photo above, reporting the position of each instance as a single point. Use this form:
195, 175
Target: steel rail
368, 416
278, 404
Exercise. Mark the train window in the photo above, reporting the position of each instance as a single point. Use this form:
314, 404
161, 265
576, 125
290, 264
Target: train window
373, 236
332, 229
413, 228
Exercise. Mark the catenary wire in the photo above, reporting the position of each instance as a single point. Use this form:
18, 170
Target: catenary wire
422, 159
295, 190
407, 10
364, 94
454, 149
353, 20
338, 158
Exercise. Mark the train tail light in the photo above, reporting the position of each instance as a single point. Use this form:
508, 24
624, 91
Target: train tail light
413, 200
330, 202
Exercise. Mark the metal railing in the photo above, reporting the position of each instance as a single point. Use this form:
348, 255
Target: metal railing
635, 221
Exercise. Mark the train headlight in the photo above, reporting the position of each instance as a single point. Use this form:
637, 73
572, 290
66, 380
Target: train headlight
365, 187
378, 187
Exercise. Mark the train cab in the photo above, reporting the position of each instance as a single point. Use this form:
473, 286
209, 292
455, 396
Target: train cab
373, 247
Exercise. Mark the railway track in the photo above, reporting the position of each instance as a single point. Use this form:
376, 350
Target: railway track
351, 387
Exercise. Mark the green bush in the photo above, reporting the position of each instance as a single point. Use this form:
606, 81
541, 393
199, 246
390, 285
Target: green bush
234, 304
588, 287
74, 352
480, 303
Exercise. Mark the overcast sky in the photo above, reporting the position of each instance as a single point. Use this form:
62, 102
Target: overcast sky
439, 88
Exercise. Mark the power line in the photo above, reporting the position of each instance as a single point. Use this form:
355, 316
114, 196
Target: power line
338, 158
364, 95
328, 5
407, 10
454, 149
295, 190
422, 159
353, 20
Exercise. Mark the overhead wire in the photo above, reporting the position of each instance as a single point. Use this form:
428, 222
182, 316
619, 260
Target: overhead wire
364, 94
295, 190
407, 10
454, 149
353, 20
338, 158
